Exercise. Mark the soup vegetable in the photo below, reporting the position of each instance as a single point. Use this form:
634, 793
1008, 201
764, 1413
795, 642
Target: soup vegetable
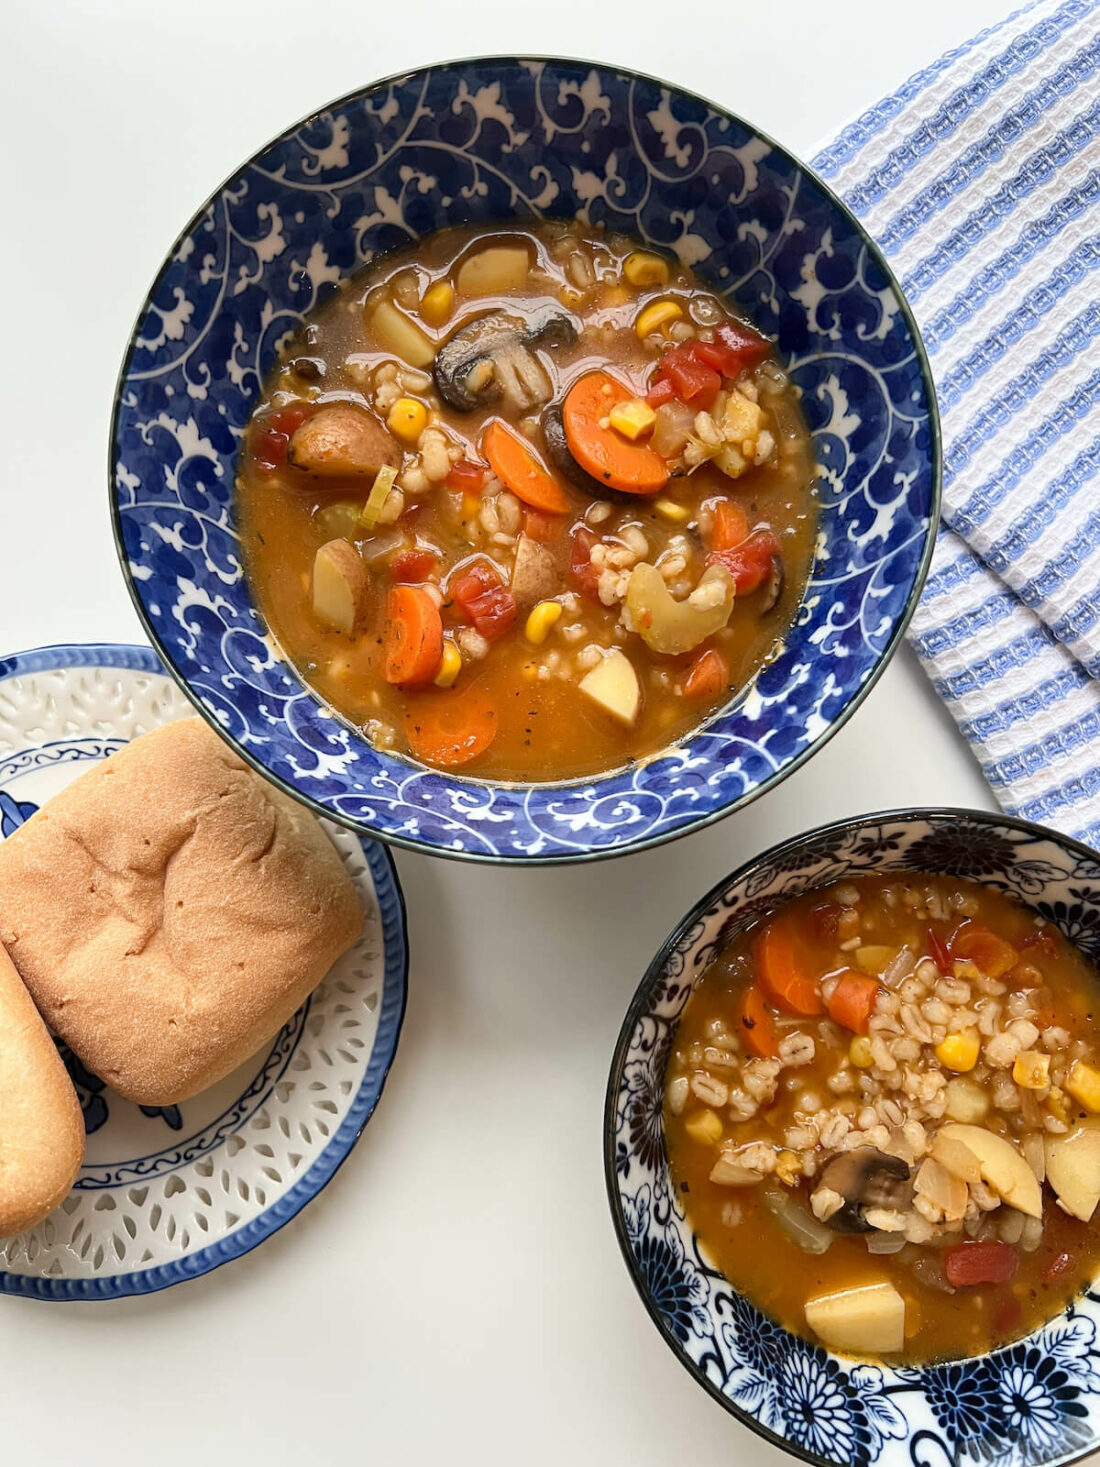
883, 1117
529, 504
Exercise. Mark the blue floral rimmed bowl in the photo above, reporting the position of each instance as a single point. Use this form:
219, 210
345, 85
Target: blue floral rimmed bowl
488, 140
1034, 1402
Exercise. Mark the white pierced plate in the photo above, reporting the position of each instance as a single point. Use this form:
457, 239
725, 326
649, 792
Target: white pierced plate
166, 1194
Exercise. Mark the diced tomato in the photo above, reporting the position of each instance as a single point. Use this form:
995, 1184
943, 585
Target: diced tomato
1008, 1314
1058, 1267
731, 525
970, 1264
693, 382
271, 435
467, 476
742, 342
940, 956
543, 527
661, 392
991, 954
584, 573
488, 604
408, 567
750, 564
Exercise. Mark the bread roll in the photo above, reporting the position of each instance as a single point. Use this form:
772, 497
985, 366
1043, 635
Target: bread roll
41, 1127
170, 910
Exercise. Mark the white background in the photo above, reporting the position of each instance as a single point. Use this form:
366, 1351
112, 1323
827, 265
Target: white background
456, 1295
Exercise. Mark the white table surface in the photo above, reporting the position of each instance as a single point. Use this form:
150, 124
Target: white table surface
456, 1294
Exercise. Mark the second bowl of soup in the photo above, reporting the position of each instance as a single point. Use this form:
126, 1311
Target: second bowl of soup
853, 1142
525, 460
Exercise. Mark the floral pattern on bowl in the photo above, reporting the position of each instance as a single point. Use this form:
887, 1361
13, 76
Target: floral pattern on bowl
1033, 1402
492, 140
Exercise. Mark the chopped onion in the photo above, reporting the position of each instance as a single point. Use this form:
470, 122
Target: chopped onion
672, 429
381, 545
899, 967
799, 1223
885, 1242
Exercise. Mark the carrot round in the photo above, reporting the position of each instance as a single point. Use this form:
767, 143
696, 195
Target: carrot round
852, 1001
517, 464
633, 468
988, 952
787, 981
707, 676
755, 1024
413, 638
451, 728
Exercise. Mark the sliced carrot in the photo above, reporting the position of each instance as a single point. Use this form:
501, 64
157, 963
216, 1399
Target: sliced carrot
634, 468
451, 728
756, 1025
990, 954
413, 638
707, 676
522, 470
784, 971
731, 525
852, 1001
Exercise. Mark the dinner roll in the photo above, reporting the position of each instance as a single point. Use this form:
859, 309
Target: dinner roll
41, 1127
170, 910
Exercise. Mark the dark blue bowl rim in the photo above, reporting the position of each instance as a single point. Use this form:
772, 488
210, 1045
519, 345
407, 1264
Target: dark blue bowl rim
902, 815
391, 1020
374, 832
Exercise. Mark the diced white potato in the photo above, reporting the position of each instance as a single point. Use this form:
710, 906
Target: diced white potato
340, 585
1073, 1169
613, 684
342, 440
869, 1320
398, 334
1004, 1167
966, 1101
494, 270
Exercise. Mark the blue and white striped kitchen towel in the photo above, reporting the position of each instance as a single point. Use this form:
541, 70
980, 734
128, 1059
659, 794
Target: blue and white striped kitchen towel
980, 178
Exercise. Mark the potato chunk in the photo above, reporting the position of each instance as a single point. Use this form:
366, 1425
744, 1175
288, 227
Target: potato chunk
343, 440
1073, 1169
494, 270
613, 684
869, 1320
1004, 1168
340, 585
533, 575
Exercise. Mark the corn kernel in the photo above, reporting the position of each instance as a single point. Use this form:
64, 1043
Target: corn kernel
540, 620
1084, 1085
471, 506
450, 667
706, 1126
788, 1168
668, 509
959, 1052
1031, 1070
656, 317
407, 419
438, 302
633, 419
859, 1052
1056, 1104
642, 268
614, 295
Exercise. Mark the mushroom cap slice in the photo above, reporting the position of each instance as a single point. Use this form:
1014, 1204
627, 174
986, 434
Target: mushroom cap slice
492, 359
866, 1178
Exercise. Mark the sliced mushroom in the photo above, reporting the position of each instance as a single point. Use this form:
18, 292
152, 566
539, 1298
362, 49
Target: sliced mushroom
342, 440
773, 587
866, 1179
492, 359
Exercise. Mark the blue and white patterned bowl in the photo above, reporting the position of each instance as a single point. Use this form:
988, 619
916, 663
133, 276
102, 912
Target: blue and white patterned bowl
489, 140
1034, 1402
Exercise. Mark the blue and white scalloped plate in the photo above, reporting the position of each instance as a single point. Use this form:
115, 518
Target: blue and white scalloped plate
169, 1193
1035, 1403
491, 140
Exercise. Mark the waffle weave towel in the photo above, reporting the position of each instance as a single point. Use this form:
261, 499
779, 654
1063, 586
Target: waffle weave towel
980, 179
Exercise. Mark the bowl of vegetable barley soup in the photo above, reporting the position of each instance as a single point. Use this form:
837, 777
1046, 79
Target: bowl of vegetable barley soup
853, 1141
525, 460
